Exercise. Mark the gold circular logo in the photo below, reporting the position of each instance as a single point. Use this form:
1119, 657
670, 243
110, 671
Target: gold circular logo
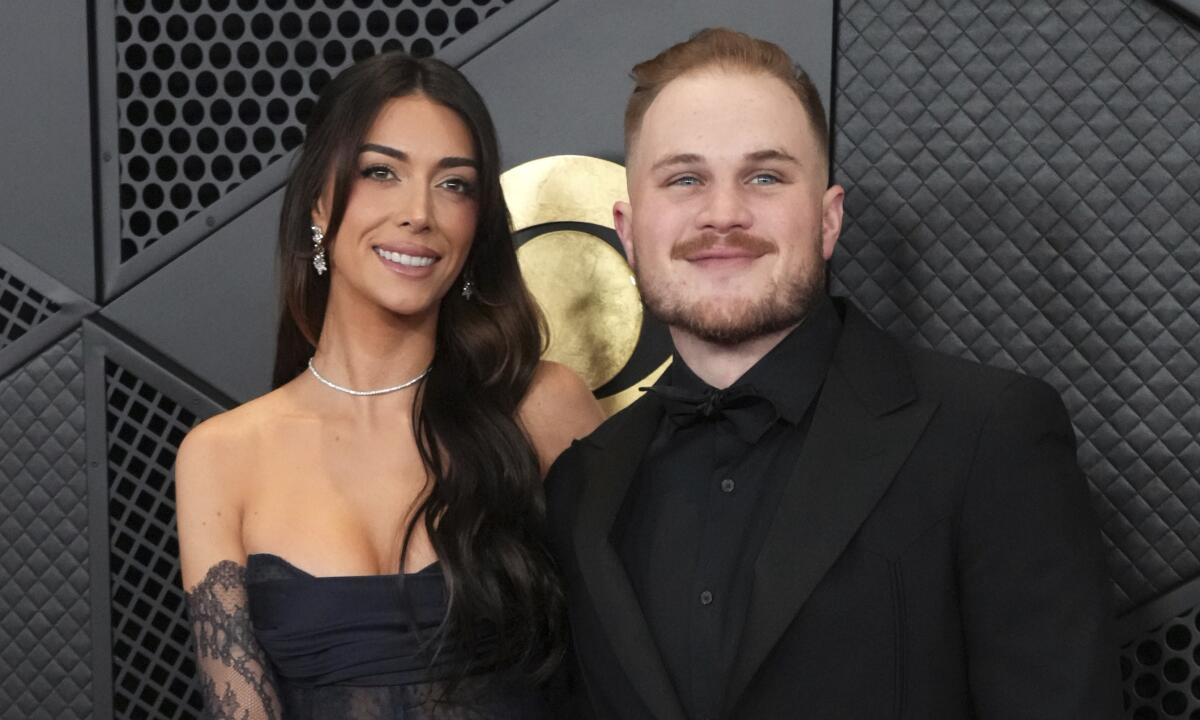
561, 209
590, 301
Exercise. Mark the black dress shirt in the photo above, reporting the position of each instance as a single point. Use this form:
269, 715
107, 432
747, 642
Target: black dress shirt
705, 492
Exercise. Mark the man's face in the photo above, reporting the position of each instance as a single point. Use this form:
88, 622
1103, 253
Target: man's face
729, 221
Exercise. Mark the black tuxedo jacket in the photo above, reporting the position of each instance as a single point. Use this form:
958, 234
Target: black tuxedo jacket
934, 555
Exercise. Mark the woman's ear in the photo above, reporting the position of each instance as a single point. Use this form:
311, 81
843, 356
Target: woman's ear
321, 208
320, 214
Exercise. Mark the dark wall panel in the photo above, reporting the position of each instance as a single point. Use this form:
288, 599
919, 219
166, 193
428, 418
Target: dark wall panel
35, 310
1023, 189
559, 84
45, 608
45, 139
213, 309
210, 95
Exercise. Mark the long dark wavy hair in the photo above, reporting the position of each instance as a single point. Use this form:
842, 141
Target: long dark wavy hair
483, 508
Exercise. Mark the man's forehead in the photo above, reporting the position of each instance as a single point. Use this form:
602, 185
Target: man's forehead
716, 84
744, 100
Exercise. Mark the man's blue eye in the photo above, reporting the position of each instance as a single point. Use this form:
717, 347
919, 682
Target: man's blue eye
764, 179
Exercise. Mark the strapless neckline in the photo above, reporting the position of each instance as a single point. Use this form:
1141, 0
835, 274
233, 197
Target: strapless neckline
358, 647
433, 568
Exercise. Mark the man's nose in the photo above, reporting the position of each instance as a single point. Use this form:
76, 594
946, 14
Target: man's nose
726, 210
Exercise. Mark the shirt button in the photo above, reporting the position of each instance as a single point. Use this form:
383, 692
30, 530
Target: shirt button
727, 485
706, 598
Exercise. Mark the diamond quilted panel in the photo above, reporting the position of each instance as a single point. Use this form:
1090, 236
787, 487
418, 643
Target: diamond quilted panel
1023, 189
21, 308
45, 611
209, 92
153, 667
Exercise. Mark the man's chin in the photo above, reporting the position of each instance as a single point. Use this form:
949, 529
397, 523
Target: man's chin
731, 324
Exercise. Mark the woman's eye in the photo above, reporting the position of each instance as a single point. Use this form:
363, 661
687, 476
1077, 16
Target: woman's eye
378, 172
458, 185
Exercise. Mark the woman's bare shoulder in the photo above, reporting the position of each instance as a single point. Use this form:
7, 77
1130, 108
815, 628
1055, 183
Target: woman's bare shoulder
558, 409
231, 440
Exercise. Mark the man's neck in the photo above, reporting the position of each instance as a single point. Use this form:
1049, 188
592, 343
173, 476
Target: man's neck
721, 365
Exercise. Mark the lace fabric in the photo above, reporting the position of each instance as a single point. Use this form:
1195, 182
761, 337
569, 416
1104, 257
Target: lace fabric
236, 676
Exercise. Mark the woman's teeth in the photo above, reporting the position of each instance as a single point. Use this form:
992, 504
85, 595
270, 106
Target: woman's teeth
402, 259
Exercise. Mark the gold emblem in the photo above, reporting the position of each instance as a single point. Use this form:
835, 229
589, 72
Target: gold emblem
591, 304
579, 277
563, 188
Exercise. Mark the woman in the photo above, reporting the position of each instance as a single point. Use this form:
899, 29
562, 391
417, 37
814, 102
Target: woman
365, 540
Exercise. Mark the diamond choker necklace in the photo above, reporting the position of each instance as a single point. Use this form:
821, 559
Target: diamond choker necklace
367, 393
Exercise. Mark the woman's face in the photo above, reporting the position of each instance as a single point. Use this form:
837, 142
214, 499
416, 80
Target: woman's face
411, 212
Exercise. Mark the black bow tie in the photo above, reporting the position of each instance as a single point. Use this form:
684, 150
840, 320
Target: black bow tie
748, 411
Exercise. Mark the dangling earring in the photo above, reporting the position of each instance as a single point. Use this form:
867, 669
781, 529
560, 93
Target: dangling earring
318, 250
468, 288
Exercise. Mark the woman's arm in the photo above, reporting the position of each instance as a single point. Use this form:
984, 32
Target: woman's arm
558, 409
236, 675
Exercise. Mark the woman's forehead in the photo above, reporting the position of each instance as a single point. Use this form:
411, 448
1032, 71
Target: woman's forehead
420, 127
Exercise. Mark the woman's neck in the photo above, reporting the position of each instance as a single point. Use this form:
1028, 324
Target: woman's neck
366, 347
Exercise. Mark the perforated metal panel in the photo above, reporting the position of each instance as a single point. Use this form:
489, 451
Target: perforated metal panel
143, 410
1160, 657
45, 609
21, 308
35, 311
154, 673
1160, 670
1023, 189
212, 91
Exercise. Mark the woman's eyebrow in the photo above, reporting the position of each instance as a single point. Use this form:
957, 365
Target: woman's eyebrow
451, 161
454, 161
383, 150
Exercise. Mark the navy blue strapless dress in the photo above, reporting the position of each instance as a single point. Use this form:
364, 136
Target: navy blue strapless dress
351, 648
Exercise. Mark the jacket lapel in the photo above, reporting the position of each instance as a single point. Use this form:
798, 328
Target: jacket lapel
867, 419
609, 465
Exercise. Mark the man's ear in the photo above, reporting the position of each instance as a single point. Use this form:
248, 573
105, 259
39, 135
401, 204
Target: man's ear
623, 222
831, 218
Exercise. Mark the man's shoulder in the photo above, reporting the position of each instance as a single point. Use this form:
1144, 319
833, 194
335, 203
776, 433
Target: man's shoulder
973, 387
936, 375
936, 368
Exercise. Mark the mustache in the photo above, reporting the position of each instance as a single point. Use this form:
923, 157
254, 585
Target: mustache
709, 239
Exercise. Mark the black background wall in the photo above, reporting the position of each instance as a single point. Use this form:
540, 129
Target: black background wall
1023, 190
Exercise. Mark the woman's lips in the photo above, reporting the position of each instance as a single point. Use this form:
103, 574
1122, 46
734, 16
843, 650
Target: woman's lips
407, 260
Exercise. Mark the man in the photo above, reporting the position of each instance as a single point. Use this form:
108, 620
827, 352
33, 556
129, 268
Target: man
802, 518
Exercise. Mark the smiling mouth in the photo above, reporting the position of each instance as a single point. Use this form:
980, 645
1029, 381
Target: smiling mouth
416, 261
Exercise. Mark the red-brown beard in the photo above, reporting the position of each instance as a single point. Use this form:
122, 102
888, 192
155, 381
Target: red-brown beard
779, 307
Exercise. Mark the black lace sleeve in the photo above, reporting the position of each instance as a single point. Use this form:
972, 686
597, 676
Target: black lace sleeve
237, 679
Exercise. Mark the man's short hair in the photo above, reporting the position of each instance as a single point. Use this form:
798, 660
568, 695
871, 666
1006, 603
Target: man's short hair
729, 50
